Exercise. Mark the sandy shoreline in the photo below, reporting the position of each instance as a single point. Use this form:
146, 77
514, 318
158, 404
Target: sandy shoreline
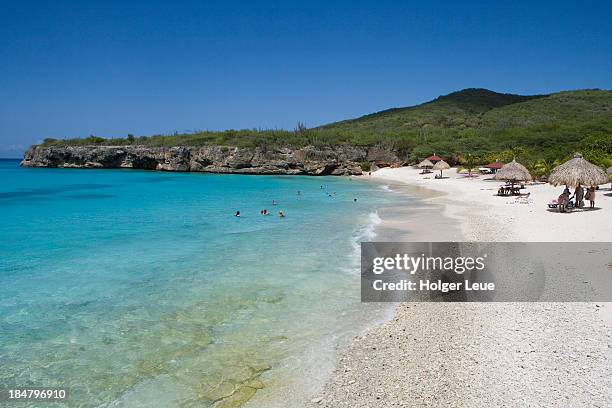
491, 354
316, 366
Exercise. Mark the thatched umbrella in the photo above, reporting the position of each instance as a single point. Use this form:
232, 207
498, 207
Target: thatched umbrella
441, 165
513, 172
425, 164
577, 171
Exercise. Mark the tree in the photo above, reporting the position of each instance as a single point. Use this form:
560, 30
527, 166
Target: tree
94, 139
540, 168
597, 149
300, 127
470, 162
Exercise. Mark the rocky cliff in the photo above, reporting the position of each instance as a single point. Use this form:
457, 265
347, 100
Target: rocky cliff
309, 160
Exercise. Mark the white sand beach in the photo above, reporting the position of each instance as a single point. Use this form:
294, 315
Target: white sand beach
484, 216
484, 354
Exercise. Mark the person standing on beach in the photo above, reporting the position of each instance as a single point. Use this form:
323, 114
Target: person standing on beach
590, 195
579, 195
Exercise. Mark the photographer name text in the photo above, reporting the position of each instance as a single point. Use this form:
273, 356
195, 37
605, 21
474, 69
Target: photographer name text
432, 286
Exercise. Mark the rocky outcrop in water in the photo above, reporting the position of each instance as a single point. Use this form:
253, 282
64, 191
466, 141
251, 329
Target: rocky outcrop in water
309, 160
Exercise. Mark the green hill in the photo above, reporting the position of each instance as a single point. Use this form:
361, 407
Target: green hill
469, 125
568, 107
456, 110
489, 126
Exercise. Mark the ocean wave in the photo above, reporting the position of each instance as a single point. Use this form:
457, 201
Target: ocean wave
386, 188
368, 232
363, 234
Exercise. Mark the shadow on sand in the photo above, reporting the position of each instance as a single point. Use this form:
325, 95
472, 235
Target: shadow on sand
574, 210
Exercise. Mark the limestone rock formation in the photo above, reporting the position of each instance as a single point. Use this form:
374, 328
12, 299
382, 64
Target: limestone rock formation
309, 160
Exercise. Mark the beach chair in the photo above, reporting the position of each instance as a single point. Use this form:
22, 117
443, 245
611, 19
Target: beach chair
552, 204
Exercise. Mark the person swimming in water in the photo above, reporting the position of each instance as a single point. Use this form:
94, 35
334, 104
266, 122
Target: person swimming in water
273, 202
281, 214
237, 214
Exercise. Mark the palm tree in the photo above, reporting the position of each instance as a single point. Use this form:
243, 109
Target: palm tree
540, 168
470, 163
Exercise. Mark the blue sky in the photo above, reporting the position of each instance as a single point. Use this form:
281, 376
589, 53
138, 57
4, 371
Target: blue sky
71, 69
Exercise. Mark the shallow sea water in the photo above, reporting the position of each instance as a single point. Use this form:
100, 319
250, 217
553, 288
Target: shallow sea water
136, 288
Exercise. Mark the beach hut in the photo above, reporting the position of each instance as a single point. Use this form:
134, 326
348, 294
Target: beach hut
425, 165
434, 159
494, 166
577, 172
512, 172
441, 165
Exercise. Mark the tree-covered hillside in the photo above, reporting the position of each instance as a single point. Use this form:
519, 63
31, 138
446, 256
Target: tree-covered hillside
469, 125
456, 110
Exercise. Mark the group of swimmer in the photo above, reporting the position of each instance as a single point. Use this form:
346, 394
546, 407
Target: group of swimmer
266, 212
281, 214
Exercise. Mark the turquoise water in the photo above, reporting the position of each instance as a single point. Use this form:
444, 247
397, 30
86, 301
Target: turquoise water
136, 288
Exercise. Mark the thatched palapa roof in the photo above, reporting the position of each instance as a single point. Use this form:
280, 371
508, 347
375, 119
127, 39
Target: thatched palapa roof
577, 171
425, 164
441, 165
513, 171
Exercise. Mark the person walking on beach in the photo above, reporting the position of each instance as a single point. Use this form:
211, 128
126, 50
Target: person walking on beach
590, 195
